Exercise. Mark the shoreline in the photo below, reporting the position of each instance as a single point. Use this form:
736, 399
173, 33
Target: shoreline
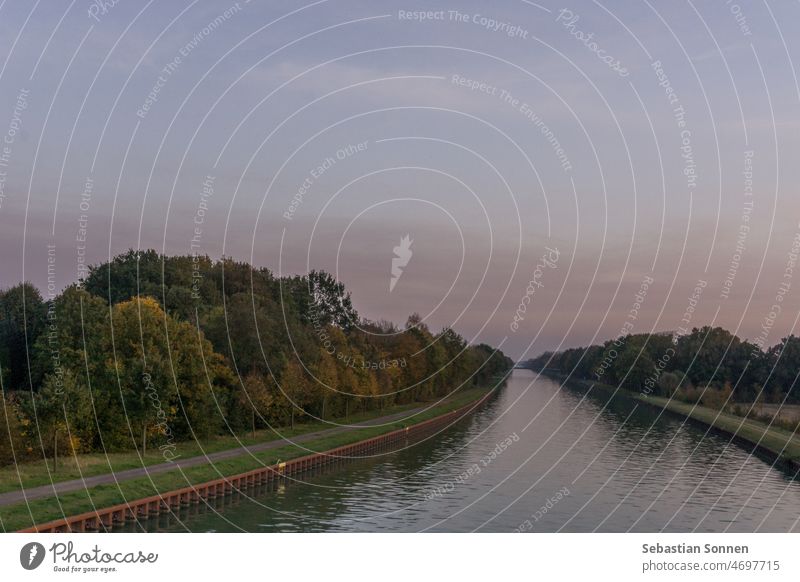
101, 520
784, 459
38, 473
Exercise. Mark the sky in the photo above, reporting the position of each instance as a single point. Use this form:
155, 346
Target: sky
562, 172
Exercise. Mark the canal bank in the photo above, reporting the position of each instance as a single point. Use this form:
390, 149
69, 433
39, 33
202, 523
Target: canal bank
776, 445
293, 465
626, 468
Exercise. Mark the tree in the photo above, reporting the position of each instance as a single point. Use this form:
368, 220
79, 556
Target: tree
62, 416
327, 381
141, 366
136, 272
709, 355
668, 383
77, 337
22, 320
134, 354
717, 397
330, 303
296, 389
256, 397
12, 448
783, 358
170, 380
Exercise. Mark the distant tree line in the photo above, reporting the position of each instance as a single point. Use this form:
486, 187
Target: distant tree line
709, 365
150, 350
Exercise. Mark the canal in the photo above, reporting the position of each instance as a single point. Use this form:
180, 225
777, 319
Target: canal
537, 458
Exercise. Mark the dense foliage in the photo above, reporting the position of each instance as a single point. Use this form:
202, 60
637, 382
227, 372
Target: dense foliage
709, 364
150, 350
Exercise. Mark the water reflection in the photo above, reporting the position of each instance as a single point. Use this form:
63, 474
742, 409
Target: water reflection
625, 468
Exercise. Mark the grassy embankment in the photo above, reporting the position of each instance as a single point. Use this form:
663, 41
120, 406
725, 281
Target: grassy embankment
34, 473
21, 515
781, 444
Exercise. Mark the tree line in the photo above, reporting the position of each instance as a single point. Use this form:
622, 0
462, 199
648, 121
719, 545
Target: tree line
709, 365
150, 350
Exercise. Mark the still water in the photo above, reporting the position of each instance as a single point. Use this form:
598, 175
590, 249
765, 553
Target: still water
540, 458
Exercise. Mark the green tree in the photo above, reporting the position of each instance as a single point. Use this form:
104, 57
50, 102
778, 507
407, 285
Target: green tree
783, 358
256, 397
330, 302
62, 416
296, 388
633, 368
668, 383
12, 444
22, 320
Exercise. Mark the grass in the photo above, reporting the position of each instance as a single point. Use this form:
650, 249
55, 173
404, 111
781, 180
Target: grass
782, 443
783, 412
779, 441
22, 515
36, 473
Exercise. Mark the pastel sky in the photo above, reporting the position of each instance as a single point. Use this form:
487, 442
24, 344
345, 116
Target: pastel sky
647, 142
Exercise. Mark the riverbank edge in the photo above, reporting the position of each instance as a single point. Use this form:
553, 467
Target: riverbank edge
760, 450
72, 468
103, 519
